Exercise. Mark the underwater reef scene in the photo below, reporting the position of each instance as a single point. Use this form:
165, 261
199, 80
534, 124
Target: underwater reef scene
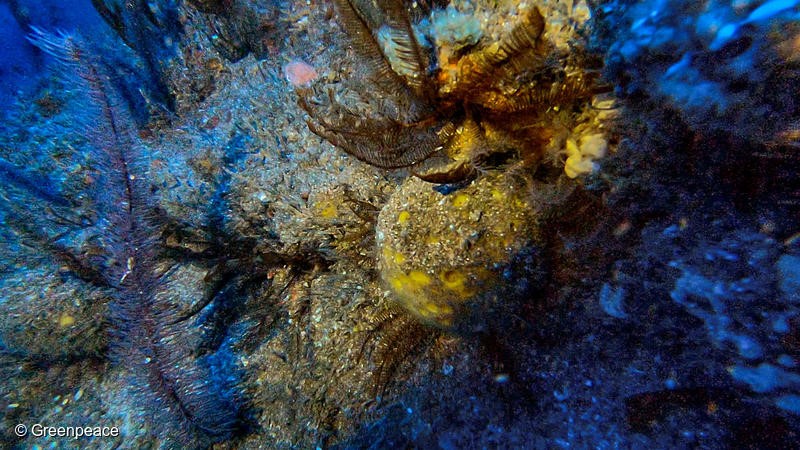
240, 224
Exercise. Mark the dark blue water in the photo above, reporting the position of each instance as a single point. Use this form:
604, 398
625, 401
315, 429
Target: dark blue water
21, 64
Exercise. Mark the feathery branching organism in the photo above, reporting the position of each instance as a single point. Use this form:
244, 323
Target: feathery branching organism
192, 398
443, 96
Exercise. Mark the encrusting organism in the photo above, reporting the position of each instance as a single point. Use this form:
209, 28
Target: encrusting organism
456, 261
446, 100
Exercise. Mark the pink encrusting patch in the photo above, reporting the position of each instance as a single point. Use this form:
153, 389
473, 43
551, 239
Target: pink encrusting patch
299, 73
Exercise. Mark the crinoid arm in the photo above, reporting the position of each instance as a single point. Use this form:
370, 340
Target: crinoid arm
395, 124
483, 68
411, 91
373, 60
454, 162
385, 144
191, 403
373, 130
411, 58
440, 169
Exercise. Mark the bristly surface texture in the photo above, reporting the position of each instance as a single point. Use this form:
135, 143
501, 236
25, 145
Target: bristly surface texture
445, 111
188, 404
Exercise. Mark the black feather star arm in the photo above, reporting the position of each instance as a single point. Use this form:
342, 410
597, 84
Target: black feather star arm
188, 403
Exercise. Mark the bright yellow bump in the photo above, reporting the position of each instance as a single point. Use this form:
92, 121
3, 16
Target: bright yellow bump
497, 195
398, 283
66, 320
430, 309
460, 200
576, 166
393, 256
414, 281
453, 279
572, 148
403, 217
329, 210
419, 278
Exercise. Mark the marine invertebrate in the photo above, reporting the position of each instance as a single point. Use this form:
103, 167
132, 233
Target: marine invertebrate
581, 154
451, 96
456, 260
447, 101
150, 335
299, 73
397, 341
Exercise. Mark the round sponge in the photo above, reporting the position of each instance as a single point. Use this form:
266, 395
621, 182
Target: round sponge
456, 259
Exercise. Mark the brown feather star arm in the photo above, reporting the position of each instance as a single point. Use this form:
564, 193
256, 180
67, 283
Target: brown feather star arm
381, 142
480, 68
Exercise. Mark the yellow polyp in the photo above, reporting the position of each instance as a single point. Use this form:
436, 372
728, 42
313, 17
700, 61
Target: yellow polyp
403, 217
497, 195
398, 283
414, 281
455, 281
576, 166
66, 320
419, 278
393, 256
460, 200
329, 211
430, 309
572, 148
